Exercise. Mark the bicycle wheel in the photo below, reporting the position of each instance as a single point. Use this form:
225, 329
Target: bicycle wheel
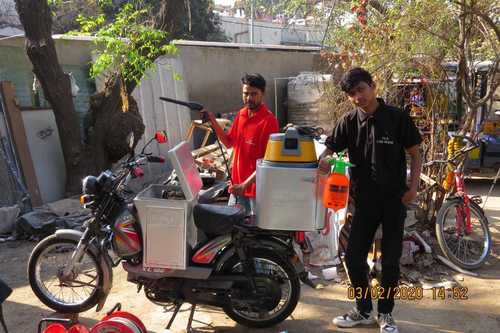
468, 248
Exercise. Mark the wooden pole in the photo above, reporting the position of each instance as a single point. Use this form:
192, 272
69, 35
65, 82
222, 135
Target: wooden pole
18, 132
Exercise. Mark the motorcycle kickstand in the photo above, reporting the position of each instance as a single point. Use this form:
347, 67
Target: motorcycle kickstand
176, 311
190, 321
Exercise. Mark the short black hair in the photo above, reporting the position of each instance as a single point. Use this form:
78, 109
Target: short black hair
353, 77
254, 80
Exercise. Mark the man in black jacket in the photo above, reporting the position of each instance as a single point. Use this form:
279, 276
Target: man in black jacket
376, 137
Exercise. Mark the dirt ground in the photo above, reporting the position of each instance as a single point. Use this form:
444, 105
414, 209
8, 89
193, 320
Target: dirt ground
480, 313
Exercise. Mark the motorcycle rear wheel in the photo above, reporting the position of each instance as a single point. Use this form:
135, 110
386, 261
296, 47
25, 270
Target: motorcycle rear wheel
268, 265
74, 294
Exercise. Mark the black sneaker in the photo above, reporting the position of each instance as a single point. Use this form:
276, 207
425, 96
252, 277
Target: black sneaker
354, 318
387, 323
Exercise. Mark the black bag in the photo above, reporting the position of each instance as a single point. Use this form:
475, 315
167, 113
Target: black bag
5, 292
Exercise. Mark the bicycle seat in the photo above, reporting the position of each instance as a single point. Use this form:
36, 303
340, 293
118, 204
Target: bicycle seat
217, 220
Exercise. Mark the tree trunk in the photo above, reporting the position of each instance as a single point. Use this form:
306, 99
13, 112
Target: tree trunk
109, 126
108, 122
170, 18
36, 18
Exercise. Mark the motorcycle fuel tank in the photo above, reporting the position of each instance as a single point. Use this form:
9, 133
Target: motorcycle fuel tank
126, 240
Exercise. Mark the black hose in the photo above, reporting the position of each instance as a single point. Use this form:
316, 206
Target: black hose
223, 155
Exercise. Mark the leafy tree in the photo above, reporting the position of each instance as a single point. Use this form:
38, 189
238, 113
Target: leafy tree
129, 47
201, 23
402, 39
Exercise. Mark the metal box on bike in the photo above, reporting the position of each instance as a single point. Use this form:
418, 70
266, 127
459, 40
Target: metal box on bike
290, 185
167, 223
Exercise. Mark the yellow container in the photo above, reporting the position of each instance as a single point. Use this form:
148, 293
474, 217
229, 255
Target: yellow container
290, 147
475, 154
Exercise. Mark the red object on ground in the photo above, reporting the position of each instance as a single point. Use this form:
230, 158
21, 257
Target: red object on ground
119, 321
110, 326
78, 328
55, 328
128, 316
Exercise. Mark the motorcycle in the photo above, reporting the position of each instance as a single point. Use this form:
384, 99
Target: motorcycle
252, 274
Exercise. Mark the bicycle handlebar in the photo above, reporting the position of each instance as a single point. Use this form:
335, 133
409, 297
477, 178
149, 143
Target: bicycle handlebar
461, 152
468, 139
435, 162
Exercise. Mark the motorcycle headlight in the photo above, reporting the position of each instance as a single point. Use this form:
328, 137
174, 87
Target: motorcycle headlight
90, 185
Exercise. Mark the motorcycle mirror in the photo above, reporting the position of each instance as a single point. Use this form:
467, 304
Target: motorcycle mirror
161, 137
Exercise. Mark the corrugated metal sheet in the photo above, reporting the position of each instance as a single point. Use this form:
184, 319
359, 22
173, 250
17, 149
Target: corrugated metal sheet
158, 115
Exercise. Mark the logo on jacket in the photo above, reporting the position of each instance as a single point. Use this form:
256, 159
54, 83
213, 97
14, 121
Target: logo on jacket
385, 140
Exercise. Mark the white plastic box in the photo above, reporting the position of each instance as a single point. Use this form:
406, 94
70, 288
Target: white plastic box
167, 224
289, 197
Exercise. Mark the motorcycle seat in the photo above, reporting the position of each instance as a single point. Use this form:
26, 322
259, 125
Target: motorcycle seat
217, 220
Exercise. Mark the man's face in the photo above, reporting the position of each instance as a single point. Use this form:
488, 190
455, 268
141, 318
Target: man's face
362, 94
252, 97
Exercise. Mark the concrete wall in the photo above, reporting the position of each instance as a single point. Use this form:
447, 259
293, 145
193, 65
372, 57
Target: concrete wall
74, 56
209, 73
212, 71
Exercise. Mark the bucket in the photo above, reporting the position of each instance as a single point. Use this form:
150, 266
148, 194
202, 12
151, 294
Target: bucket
119, 321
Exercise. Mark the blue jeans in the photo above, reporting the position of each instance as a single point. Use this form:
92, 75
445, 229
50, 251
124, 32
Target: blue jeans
248, 203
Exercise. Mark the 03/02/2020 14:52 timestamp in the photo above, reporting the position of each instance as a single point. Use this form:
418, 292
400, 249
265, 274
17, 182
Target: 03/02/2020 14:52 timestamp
455, 293
408, 293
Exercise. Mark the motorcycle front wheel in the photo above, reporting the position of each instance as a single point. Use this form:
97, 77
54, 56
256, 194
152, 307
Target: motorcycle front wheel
277, 290
75, 292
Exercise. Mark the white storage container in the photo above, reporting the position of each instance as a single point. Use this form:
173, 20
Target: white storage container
289, 197
167, 224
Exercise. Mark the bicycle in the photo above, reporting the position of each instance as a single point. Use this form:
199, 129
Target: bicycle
461, 226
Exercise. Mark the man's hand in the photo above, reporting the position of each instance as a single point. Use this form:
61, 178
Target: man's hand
207, 116
237, 189
409, 197
324, 165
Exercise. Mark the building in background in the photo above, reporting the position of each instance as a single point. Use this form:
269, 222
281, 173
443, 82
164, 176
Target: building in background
9, 20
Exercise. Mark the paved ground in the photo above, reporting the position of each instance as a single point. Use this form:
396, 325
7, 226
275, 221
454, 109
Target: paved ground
480, 313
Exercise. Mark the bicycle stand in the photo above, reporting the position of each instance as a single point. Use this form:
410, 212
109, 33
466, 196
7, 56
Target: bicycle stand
176, 312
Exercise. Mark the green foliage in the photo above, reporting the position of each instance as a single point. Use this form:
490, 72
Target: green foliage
407, 39
393, 43
126, 44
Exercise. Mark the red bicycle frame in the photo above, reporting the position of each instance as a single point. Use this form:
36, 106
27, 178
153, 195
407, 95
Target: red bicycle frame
463, 211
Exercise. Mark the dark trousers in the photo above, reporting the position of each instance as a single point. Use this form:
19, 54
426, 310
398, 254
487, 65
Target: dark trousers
373, 208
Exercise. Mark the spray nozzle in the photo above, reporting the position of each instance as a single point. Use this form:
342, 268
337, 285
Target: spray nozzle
339, 164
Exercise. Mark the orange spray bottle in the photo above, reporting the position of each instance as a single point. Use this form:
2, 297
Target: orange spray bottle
336, 190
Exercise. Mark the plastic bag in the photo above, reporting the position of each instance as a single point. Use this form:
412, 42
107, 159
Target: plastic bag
324, 244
